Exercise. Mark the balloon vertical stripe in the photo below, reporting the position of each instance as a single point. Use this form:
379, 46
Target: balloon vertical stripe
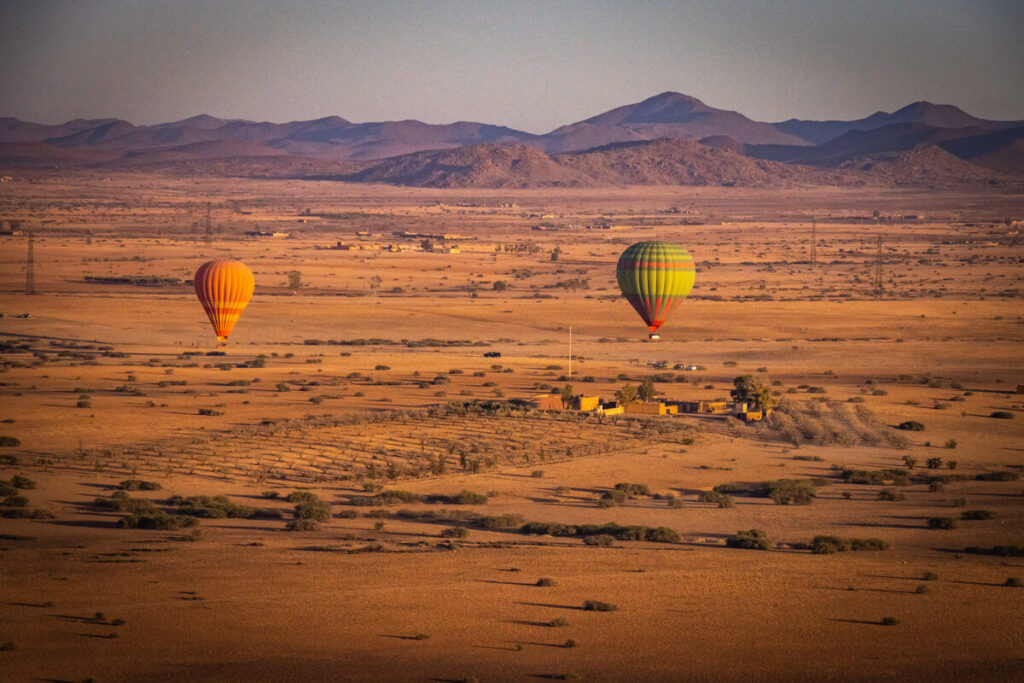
654, 277
224, 288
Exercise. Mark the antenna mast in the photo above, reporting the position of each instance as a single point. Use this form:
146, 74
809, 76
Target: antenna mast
570, 352
209, 227
878, 270
30, 265
814, 242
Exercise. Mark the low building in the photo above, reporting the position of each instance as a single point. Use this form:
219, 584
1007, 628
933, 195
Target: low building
547, 402
650, 408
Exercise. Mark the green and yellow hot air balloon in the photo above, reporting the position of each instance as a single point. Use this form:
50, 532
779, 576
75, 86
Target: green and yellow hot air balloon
654, 277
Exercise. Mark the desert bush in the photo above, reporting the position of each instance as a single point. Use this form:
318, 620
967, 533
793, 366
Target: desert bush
797, 492
545, 582
7, 459
392, 497
890, 621
1013, 582
985, 476
506, 521
270, 494
600, 540
1002, 415
997, 550
977, 514
20, 481
214, 507
210, 412
809, 458
316, 510
348, 514
9, 441
859, 544
455, 532
941, 523
15, 501
6, 489
898, 477
934, 463
950, 444
598, 606
724, 500
138, 485
302, 497
826, 545
911, 426
752, 539
921, 589
302, 525
633, 489
558, 622
156, 519
889, 494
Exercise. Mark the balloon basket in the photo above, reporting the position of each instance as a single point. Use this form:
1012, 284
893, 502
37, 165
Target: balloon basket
653, 336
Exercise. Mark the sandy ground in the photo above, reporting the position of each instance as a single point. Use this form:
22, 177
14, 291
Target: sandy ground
105, 382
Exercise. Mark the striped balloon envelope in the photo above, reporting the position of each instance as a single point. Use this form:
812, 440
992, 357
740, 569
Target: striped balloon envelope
224, 288
654, 277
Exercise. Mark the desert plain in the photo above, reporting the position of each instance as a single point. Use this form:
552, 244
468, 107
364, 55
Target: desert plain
358, 376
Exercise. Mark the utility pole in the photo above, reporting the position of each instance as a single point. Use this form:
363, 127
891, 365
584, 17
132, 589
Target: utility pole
814, 242
570, 352
30, 265
878, 270
209, 227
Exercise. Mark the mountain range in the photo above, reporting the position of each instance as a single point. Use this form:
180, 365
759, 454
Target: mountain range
670, 138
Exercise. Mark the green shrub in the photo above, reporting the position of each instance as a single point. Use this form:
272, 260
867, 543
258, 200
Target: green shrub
156, 519
600, 540
868, 544
985, 476
455, 532
316, 510
941, 523
138, 485
20, 481
633, 489
302, 497
598, 606
506, 521
753, 539
302, 525
827, 545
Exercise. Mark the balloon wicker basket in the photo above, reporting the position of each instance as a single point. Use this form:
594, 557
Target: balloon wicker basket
654, 336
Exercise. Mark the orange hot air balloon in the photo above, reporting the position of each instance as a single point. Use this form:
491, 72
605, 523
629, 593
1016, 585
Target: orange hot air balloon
224, 288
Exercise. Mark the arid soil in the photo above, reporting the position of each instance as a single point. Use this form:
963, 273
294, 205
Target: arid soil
371, 377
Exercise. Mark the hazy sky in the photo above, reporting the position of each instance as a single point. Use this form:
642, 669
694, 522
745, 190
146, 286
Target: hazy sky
532, 65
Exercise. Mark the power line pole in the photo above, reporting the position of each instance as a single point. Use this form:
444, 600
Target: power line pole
814, 242
878, 270
30, 265
209, 227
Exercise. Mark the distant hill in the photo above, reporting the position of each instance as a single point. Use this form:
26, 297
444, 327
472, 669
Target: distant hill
669, 114
926, 113
924, 166
654, 141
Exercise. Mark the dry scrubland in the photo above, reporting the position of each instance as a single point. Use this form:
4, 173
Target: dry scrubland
329, 398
